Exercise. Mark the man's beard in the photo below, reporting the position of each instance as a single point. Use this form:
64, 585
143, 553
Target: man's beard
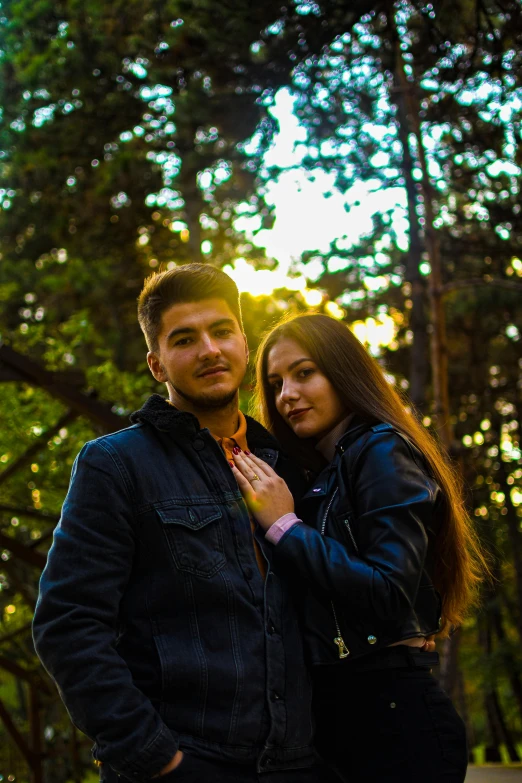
206, 402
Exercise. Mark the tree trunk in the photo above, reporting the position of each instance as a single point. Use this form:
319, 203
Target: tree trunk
515, 539
492, 750
503, 730
462, 705
509, 662
419, 354
492, 623
439, 359
449, 662
193, 206
35, 730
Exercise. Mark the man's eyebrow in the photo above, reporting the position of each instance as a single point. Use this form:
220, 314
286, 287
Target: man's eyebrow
180, 330
290, 366
221, 322
192, 330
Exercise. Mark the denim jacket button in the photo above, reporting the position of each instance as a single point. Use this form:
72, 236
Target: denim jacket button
199, 444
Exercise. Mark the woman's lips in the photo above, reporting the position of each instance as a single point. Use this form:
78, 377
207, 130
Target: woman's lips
298, 414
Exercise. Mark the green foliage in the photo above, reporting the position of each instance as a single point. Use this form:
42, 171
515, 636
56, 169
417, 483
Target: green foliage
130, 136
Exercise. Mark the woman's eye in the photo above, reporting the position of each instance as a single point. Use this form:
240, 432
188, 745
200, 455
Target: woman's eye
224, 332
305, 372
276, 386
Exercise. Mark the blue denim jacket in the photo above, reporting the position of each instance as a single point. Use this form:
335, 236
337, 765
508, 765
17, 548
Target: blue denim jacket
153, 617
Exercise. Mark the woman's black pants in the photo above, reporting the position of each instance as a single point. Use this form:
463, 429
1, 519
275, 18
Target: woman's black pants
391, 725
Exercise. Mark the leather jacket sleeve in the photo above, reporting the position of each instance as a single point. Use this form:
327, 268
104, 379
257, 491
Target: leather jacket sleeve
394, 501
76, 620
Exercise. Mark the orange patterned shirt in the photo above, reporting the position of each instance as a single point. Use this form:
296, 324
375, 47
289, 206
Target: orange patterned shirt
227, 444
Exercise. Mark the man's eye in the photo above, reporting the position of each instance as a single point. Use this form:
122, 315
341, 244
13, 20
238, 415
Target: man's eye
183, 341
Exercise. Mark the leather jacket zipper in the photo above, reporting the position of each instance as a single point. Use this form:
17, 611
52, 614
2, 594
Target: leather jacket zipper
323, 525
343, 650
349, 529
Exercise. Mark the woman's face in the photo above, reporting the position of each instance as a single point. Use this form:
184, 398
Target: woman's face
303, 395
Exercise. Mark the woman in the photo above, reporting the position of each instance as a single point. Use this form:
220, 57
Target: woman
382, 555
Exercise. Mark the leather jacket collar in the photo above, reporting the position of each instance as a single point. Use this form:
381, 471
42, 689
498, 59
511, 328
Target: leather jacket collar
357, 427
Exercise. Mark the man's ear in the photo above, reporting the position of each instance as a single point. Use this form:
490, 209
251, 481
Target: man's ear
156, 367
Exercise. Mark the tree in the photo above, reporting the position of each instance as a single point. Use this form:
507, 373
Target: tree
133, 135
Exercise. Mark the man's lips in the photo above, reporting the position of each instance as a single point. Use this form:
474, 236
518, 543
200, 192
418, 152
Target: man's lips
212, 371
298, 412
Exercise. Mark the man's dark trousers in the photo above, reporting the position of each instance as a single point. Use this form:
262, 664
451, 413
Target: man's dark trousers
197, 770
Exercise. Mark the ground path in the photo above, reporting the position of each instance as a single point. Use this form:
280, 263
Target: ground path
494, 774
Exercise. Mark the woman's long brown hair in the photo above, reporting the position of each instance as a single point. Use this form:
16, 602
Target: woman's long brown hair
460, 564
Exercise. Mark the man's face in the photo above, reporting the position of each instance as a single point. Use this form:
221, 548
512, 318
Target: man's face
202, 355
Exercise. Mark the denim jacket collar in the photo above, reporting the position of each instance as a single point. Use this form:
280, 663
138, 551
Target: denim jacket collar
164, 417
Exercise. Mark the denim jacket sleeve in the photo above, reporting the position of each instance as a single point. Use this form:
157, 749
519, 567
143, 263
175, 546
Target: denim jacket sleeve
394, 500
76, 619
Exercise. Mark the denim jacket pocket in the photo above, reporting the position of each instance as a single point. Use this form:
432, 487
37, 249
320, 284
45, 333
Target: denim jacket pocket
195, 537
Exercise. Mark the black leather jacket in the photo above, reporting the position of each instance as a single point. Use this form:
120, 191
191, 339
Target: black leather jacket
362, 563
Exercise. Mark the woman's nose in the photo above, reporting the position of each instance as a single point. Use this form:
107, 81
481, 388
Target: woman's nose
289, 391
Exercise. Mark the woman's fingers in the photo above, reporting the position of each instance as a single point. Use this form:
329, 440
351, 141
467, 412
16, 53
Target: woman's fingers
265, 493
242, 465
248, 467
247, 490
261, 464
255, 466
242, 482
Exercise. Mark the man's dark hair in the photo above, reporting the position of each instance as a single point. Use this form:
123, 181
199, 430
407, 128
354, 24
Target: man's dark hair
186, 283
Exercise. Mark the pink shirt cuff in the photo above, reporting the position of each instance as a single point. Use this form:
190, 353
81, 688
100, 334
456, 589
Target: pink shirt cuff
279, 528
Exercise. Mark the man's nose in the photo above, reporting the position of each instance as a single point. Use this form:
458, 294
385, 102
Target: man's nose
209, 347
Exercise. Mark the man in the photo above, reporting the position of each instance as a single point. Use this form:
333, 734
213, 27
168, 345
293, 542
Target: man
173, 643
